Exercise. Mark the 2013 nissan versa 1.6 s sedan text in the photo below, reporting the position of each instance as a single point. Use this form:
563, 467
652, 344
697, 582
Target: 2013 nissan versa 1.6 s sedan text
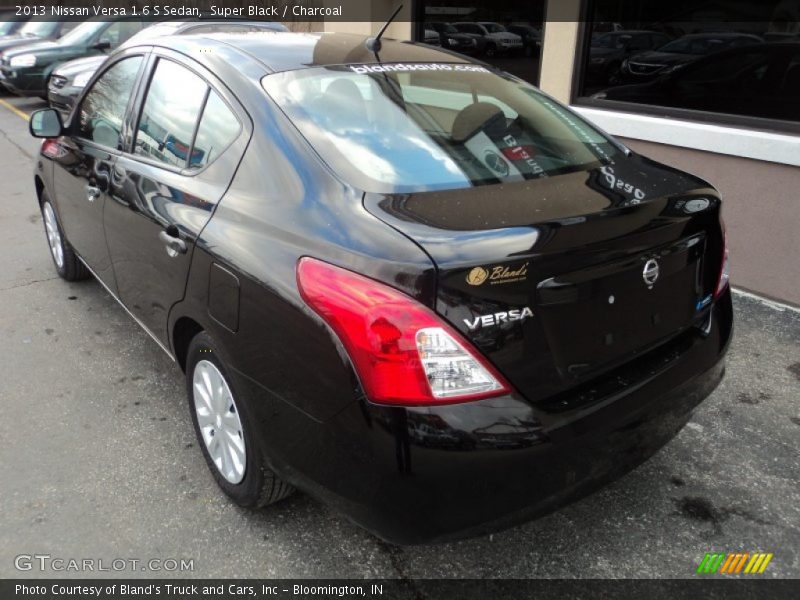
409, 285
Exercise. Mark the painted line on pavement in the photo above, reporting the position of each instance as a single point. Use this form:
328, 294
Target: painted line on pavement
768, 302
14, 109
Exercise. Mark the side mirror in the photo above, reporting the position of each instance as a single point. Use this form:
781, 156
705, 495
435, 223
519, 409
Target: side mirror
46, 123
102, 45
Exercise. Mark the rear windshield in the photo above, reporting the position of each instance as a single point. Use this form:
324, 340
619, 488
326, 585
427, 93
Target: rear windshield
400, 128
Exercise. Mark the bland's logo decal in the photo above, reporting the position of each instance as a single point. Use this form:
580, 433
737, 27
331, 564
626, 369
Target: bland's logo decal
515, 314
477, 276
651, 271
496, 163
497, 275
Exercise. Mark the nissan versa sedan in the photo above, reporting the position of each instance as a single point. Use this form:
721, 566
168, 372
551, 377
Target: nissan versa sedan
405, 283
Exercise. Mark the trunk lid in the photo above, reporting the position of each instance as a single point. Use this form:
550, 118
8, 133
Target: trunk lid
561, 280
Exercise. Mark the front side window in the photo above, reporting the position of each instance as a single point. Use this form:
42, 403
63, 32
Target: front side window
415, 127
169, 117
102, 110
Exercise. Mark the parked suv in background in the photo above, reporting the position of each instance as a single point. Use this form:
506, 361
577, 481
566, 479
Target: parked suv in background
497, 39
33, 31
531, 38
452, 39
69, 79
25, 70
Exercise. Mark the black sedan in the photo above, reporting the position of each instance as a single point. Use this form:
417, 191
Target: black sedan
609, 50
760, 81
646, 66
67, 81
26, 70
400, 281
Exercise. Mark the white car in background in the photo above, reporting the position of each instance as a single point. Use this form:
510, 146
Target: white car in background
498, 39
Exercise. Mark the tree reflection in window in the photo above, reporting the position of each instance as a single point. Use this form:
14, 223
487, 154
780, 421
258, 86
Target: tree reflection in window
218, 128
169, 117
103, 108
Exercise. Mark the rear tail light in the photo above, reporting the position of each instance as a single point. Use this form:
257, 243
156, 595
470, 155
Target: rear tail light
403, 352
725, 268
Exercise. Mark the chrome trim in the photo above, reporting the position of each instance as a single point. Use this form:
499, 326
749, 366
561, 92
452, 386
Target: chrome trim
134, 317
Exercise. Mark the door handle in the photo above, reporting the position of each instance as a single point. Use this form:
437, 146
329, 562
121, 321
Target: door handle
93, 193
174, 244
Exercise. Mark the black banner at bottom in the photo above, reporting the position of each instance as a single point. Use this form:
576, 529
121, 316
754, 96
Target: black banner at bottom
451, 589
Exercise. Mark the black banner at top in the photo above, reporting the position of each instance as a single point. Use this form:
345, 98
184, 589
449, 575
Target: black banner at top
640, 11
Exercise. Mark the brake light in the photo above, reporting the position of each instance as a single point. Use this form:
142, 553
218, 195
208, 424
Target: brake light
403, 352
725, 268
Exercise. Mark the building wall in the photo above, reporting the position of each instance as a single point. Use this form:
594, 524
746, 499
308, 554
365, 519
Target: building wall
559, 47
760, 211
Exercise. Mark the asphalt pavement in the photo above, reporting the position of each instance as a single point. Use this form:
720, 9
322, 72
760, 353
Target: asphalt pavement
99, 460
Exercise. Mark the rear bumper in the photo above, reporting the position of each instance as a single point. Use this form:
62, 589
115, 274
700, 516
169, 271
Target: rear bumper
424, 475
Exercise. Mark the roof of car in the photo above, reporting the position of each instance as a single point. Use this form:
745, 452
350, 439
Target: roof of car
279, 51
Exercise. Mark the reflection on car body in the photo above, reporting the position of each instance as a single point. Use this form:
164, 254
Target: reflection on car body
319, 230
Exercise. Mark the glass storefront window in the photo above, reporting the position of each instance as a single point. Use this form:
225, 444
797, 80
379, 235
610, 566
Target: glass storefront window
504, 33
730, 59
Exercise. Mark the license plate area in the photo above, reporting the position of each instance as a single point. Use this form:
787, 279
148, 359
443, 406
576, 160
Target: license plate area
597, 317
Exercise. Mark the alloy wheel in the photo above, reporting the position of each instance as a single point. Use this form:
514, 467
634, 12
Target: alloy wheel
53, 235
218, 420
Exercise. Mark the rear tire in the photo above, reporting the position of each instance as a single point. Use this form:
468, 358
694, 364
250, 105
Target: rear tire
225, 430
68, 265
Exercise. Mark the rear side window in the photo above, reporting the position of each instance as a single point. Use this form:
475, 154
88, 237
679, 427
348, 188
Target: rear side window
169, 118
218, 128
103, 108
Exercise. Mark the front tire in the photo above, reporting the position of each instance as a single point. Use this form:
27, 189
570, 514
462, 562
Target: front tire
225, 430
67, 264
